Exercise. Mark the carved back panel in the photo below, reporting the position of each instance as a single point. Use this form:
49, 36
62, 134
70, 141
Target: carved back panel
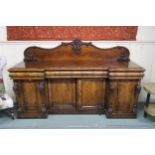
76, 50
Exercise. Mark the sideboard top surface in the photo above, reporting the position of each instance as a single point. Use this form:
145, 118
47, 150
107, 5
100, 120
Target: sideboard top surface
76, 55
76, 65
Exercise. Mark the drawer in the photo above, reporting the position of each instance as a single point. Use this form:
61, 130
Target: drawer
26, 75
126, 75
76, 74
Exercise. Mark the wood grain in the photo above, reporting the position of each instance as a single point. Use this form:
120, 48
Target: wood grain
78, 78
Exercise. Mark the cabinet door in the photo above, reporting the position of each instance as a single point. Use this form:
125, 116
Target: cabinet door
62, 98
91, 95
31, 98
122, 98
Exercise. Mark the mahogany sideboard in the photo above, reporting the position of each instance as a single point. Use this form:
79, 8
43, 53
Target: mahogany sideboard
76, 78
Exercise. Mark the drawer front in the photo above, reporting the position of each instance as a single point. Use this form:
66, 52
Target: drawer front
27, 75
76, 74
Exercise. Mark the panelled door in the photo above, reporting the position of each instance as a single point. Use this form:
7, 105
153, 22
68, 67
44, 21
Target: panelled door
123, 96
62, 95
91, 95
31, 98
76, 95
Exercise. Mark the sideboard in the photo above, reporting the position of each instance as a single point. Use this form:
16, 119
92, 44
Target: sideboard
76, 78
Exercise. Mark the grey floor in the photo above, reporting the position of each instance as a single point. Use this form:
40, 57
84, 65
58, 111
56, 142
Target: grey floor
78, 122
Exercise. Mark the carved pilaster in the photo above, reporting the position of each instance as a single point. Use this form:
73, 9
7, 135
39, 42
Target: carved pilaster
137, 91
109, 108
42, 87
44, 109
42, 93
15, 87
111, 87
138, 88
111, 91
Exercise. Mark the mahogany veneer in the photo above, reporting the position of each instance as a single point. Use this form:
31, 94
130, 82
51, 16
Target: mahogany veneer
76, 77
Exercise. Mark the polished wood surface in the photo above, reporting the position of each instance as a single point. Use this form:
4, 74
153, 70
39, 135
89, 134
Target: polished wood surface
62, 95
91, 94
31, 98
77, 77
123, 97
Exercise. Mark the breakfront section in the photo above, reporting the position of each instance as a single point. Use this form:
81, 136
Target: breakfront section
76, 91
76, 95
76, 78
123, 90
31, 96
